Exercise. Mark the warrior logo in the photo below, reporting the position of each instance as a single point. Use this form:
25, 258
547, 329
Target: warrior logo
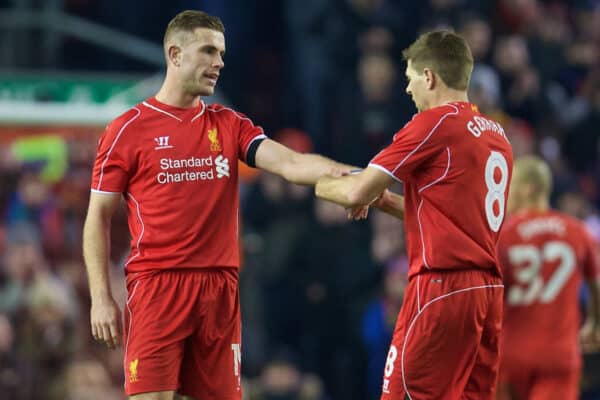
162, 142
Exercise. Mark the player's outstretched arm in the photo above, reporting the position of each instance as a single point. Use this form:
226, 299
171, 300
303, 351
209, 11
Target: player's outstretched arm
361, 189
390, 203
105, 316
300, 168
590, 332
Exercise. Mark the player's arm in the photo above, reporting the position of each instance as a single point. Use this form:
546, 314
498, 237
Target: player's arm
391, 203
300, 168
105, 315
590, 332
362, 189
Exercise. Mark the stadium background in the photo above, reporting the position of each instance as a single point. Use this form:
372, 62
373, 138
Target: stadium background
319, 294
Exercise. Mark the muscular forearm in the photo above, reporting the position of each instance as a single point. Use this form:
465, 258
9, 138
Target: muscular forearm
306, 169
358, 190
96, 251
391, 203
343, 191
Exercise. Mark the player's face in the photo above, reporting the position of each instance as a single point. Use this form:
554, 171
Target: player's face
416, 87
202, 61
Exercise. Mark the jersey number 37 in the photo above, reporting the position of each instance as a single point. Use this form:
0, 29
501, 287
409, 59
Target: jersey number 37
530, 285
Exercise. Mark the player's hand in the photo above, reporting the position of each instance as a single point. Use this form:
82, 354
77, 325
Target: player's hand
106, 321
358, 213
590, 337
381, 199
336, 172
362, 212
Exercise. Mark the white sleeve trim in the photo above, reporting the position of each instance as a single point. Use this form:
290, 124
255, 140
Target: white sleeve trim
382, 169
104, 192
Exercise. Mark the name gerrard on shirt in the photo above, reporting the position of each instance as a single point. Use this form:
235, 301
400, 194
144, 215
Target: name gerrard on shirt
456, 165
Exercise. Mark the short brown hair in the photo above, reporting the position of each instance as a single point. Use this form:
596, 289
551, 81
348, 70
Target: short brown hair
446, 53
188, 20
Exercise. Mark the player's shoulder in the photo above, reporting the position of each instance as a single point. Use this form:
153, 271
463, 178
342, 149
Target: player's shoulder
126, 119
223, 111
575, 225
435, 114
572, 226
432, 118
216, 107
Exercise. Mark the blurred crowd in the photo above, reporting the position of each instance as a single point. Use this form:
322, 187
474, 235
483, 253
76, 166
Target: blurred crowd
319, 294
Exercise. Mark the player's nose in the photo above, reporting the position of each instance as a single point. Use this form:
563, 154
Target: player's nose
219, 63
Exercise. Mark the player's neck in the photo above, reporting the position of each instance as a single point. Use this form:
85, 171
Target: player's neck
172, 95
448, 96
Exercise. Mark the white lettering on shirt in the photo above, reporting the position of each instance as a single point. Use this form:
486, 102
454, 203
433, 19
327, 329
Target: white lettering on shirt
540, 226
192, 169
477, 125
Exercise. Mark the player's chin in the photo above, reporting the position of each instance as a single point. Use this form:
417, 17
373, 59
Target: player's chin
205, 90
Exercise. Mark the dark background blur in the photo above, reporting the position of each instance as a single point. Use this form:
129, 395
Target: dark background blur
319, 294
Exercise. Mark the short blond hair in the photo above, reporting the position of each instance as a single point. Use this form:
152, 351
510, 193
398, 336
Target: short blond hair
446, 53
534, 171
189, 20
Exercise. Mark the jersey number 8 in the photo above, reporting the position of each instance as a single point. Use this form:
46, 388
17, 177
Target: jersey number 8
496, 190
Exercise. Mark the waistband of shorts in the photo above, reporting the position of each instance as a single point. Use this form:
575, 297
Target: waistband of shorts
135, 276
468, 271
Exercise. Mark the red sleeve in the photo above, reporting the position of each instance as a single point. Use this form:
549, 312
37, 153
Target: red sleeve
112, 167
416, 142
248, 133
590, 265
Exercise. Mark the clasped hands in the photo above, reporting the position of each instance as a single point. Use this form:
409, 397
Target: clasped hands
360, 212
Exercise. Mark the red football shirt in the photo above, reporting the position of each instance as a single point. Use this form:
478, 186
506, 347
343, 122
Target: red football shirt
543, 256
456, 166
177, 170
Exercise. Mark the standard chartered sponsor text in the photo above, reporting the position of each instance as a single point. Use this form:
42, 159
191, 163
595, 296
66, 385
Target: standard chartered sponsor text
192, 169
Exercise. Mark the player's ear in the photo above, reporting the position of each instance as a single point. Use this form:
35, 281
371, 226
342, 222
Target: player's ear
430, 78
174, 54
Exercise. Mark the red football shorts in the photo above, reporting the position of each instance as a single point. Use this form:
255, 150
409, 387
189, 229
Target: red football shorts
446, 342
182, 333
520, 381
